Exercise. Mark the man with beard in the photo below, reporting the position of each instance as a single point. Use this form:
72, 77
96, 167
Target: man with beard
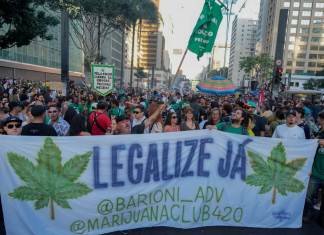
236, 124
290, 130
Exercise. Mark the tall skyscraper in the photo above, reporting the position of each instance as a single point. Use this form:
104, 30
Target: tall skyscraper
304, 34
243, 42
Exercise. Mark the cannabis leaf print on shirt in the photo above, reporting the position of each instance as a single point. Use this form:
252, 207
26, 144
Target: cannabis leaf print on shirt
49, 182
276, 174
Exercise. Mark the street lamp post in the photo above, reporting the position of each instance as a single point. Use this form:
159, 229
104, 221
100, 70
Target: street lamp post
65, 50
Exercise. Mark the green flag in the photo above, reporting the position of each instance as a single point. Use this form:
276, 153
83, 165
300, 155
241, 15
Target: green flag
204, 34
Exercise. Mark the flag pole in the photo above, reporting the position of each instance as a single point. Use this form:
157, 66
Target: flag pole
183, 57
223, 5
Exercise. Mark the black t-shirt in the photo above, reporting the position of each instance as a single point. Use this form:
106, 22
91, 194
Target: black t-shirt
38, 129
306, 130
260, 123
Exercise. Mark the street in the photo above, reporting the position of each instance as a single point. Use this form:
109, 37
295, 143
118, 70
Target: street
308, 229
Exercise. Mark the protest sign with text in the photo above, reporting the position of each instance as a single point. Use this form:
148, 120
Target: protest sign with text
96, 185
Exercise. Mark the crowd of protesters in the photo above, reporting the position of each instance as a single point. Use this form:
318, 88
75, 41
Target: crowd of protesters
30, 108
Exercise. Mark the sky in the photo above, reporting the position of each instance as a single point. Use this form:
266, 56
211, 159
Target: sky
180, 17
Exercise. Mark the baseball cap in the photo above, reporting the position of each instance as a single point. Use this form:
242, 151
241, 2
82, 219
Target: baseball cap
291, 112
38, 110
11, 119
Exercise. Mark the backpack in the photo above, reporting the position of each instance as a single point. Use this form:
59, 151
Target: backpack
138, 129
228, 124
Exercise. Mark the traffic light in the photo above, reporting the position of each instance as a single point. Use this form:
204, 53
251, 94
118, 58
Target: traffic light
278, 74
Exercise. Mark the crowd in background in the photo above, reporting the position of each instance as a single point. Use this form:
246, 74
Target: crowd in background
31, 108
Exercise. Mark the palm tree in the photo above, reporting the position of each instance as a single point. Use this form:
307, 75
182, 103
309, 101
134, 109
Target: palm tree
139, 10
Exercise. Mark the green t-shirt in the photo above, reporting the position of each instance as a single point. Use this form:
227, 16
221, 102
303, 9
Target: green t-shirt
77, 107
318, 165
227, 127
117, 112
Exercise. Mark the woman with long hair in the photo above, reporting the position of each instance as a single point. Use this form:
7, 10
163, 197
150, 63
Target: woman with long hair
171, 123
78, 126
214, 119
157, 126
189, 122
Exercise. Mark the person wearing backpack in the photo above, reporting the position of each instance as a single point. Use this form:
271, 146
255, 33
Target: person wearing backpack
99, 122
140, 124
236, 125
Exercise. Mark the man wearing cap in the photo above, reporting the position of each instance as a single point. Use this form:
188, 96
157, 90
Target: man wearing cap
37, 127
12, 125
290, 130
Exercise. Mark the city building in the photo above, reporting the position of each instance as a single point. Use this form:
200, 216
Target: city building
304, 34
111, 50
262, 27
41, 60
243, 41
217, 56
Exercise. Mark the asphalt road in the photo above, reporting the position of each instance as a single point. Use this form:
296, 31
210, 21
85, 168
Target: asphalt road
308, 229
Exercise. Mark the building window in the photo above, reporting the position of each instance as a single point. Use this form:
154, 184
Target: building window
289, 63
292, 39
301, 55
321, 48
320, 5
318, 30
300, 64
317, 21
286, 4
313, 56
304, 39
315, 39
318, 13
291, 47
299, 72
302, 48
293, 30
307, 5
306, 13
311, 64
304, 22
303, 30
321, 57
313, 48
294, 22
295, 13
296, 4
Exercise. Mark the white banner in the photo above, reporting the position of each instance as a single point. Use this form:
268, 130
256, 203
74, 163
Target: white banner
96, 185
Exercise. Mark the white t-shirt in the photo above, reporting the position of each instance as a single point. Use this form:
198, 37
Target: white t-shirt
285, 132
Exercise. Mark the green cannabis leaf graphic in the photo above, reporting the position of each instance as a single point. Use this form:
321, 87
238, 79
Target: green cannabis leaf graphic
276, 174
49, 181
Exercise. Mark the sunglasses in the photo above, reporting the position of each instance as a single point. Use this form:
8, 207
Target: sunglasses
174, 117
11, 126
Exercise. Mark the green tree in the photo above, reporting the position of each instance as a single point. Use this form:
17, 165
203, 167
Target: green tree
313, 84
49, 181
139, 10
259, 67
276, 174
23, 21
92, 21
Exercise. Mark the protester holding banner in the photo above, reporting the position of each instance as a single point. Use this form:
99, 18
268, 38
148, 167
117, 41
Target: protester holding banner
236, 125
290, 129
317, 179
12, 125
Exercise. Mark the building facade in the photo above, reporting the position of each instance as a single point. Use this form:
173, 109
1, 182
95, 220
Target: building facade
243, 41
40, 60
304, 39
